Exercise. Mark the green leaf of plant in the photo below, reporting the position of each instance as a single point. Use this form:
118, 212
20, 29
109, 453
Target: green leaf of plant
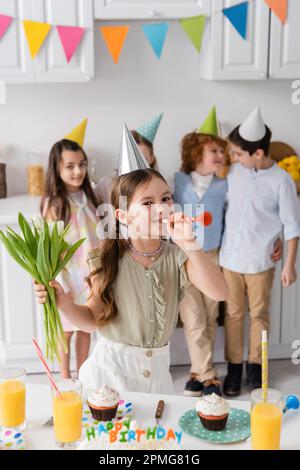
40, 263
11, 250
64, 233
46, 245
28, 235
54, 248
70, 252
21, 246
36, 233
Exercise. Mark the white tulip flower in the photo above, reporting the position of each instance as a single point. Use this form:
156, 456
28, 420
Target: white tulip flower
38, 222
60, 227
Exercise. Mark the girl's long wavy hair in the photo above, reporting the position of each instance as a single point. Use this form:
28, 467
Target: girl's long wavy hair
56, 195
113, 249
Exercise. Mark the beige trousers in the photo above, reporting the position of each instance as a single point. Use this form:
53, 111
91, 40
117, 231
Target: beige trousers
199, 316
256, 289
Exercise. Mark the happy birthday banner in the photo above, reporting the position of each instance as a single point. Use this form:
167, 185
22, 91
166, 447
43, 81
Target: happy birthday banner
156, 33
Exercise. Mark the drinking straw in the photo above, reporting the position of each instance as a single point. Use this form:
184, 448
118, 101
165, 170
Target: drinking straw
48, 372
264, 368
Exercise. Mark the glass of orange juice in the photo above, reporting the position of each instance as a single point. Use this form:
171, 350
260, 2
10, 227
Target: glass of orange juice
266, 419
67, 413
12, 398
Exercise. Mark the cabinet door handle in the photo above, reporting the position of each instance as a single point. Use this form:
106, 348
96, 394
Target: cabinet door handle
154, 14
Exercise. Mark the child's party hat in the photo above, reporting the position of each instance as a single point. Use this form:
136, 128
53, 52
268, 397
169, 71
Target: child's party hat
131, 158
210, 125
149, 129
253, 128
78, 134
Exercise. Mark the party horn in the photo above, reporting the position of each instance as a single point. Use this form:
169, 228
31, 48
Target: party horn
204, 219
292, 403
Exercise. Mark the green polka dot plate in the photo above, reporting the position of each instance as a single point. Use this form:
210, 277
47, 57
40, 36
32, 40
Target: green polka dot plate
237, 427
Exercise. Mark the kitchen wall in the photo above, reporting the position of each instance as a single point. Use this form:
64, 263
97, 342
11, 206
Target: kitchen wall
135, 90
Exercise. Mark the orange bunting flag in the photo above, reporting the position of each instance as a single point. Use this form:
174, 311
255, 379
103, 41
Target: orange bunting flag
114, 37
279, 7
36, 34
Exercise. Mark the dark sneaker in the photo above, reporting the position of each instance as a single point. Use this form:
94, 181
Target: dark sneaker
193, 387
233, 380
211, 386
253, 375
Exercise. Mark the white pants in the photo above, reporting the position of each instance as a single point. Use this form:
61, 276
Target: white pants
127, 368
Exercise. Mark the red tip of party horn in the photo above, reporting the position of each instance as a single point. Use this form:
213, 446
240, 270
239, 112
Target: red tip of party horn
205, 219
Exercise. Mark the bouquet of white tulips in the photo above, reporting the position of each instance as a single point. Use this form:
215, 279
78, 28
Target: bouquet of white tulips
42, 250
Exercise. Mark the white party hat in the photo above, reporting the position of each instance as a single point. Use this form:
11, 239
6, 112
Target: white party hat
253, 128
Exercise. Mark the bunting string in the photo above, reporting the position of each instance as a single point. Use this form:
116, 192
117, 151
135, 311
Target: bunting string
156, 33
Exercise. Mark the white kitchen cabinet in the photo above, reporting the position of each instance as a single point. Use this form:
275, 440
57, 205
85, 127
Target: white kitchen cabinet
50, 64
148, 9
284, 44
16, 65
225, 54
270, 51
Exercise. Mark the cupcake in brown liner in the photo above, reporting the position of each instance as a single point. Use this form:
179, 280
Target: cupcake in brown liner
213, 423
104, 403
213, 412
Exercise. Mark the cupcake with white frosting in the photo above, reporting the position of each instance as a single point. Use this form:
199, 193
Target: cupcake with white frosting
104, 403
213, 412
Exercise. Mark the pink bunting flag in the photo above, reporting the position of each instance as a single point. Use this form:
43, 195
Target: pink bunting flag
70, 37
4, 24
